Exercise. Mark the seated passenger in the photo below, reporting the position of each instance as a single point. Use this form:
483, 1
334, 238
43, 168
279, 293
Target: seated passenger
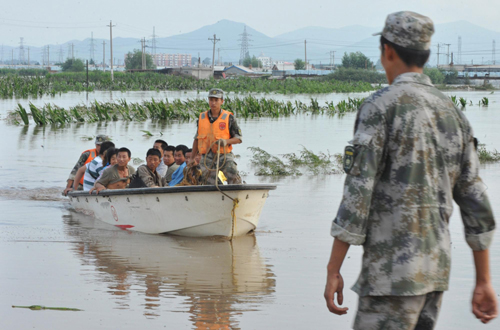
188, 153
147, 173
180, 159
118, 175
85, 158
169, 160
90, 172
162, 168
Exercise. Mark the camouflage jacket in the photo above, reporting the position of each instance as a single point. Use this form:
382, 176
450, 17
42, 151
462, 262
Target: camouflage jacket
81, 161
412, 154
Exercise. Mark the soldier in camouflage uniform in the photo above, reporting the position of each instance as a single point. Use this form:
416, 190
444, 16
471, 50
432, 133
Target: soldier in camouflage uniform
214, 125
84, 159
412, 154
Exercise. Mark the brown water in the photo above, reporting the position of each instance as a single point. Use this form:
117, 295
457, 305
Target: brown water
51, 256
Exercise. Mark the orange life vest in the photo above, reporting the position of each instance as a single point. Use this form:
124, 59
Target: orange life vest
208, 132
92, 155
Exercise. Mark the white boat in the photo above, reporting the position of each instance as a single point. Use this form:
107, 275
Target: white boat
195, 211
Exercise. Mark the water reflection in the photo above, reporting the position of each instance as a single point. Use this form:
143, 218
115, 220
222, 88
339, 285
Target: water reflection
217, 280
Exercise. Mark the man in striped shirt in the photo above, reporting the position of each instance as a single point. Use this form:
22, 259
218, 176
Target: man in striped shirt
95, 167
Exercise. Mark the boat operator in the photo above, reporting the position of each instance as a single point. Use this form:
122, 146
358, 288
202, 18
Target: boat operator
86, 157
214, 125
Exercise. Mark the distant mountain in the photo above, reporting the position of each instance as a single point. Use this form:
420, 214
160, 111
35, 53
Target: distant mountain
476, 44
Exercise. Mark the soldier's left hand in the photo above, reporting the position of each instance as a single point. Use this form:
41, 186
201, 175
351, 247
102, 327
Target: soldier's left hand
335, 284
484, 302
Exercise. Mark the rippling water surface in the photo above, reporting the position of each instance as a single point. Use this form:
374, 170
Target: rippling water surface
52, 256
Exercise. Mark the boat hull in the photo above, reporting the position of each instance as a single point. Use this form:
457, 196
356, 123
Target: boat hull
195, 211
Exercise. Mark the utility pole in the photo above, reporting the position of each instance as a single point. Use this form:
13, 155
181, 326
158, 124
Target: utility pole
111, 46
92, 48
332, 59
459, 55
73, 52
28, 56
218, 56
143, 54
12, 60
153, 42
214, 40
493, 52
305, 51
48, 55
448, 53
103, 56
438, 58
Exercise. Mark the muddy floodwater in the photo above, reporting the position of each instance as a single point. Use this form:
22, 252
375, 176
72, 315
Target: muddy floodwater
274, 279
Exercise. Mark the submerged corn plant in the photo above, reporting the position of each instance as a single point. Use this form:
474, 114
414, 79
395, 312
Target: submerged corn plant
291, 164
164, 110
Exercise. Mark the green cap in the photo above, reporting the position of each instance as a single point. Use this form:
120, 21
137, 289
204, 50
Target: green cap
101, 138
408, 30
216, 92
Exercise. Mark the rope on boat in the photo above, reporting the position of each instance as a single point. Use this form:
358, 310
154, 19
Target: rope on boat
235, 200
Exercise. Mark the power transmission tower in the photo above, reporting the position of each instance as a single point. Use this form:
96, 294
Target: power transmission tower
92, 47
73, 52
332, 59
48, 55
214, 40
244, 45
69, 52
21, 51
111, 46
104, 56
493, 52
459, 55
28, 56
61, 54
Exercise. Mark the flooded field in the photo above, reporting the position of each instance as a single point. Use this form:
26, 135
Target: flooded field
52, 256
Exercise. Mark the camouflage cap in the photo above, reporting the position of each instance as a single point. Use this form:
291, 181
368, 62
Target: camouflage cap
101, 138
216, 92
408, 30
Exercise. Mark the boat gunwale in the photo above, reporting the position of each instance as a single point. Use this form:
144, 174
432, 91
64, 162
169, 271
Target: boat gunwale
173, 190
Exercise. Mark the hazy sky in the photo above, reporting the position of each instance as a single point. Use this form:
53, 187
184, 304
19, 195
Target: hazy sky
57, 21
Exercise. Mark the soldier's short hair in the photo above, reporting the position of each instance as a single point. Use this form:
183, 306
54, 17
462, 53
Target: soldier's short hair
410, 57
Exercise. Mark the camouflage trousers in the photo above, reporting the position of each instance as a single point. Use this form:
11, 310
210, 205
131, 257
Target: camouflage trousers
228, 167
398, 312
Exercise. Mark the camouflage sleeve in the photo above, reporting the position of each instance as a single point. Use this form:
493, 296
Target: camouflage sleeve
81, 161
469, 193
234, 129
362, 163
